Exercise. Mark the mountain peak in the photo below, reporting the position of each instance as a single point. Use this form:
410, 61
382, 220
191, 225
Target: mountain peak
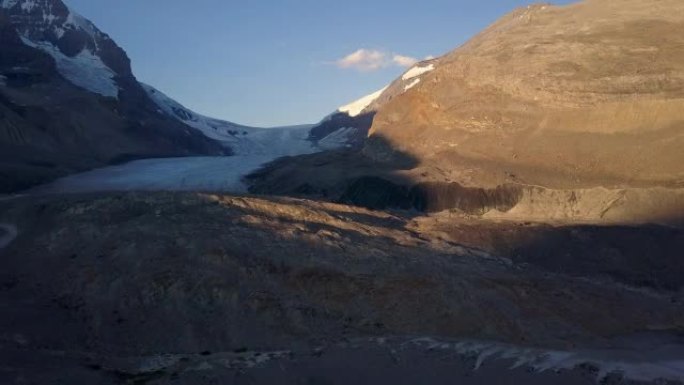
48, 19
84, 55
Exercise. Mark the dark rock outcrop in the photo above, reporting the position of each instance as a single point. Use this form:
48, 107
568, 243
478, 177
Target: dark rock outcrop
378, 193
341, 120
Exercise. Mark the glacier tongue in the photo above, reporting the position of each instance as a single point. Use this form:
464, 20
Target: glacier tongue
219, 174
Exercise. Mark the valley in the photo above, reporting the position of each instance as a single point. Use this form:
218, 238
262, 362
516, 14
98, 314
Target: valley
509, 212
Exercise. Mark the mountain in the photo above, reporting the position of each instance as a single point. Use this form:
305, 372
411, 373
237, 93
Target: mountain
553, 112
575, 96
351, 123
246, 140
69, 101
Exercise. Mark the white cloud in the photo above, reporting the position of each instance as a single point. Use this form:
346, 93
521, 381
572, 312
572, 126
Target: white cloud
404, 61
372, 60
364, 60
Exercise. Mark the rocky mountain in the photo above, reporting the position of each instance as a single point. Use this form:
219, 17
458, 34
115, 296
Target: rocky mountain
565, 112
351, 123
69, 101
575, 96
240, 139
330, 134
538, 169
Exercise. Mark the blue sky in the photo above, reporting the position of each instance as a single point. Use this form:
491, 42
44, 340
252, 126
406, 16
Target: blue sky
277, 62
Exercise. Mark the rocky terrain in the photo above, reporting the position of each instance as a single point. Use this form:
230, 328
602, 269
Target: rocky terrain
354, 120
511, 212
570, 96
575, 108
231, 276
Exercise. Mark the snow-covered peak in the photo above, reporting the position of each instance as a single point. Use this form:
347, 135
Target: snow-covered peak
417, 71
43, 17
75, 43
356, 108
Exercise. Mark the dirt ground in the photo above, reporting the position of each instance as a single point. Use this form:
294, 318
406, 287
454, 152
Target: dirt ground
93, 279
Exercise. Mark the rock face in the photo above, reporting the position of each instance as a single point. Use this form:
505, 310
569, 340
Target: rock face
563, 102
350, 123
575, 96
68, 99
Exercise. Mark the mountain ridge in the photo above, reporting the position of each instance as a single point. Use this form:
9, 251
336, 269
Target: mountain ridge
591, 91
572, 112
356, 118
69, 101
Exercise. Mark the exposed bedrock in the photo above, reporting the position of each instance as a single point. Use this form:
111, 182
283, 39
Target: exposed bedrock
378, 193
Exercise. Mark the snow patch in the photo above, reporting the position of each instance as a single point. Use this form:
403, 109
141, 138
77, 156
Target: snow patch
212, 128
79, 22
85, 70
412, 84
355, 108
634, 362
417, 71
337, 139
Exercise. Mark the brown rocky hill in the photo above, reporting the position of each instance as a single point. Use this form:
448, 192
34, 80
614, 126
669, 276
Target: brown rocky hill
580, 95
570, 99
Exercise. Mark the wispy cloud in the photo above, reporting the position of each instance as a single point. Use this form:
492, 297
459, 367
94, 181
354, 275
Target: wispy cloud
373, 60
404, 61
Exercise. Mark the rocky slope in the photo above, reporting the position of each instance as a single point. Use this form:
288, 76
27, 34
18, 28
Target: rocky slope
160, 286
565, 105
241, 139
575, 96
68, 99
350, 123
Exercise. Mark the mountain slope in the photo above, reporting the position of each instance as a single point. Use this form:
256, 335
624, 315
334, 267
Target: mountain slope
576, 96
240, 139
351, 122
68, 99
552, 113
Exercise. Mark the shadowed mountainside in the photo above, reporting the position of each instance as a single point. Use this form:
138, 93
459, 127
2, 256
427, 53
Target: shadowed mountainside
69, 102
574, 111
